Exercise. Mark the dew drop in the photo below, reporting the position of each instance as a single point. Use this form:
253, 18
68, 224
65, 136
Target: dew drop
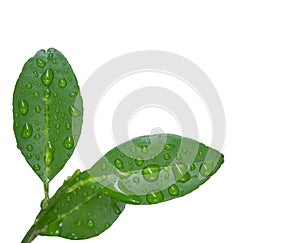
169, 146
136, 180
47, 76
151, 173
155, 197
68, 198
27, 131
90, 223
144, 149
103, 166
57, 126
69, 142
37, 109
178, 157
167, 156
78, 223
35, 74
40, 63
116, 209
68, 126
47, 94
49, 153
73, 94
54, 61
133, 149
173, 190
118, 163
29, 147
28, 86
16, 114
36, 167
186, 177
206, 168
200, 153
193, 167
36, 94
62, 83
74, 111
139, 161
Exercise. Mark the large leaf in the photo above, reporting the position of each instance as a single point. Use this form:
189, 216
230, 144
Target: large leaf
47, 109
76, 211
156, 168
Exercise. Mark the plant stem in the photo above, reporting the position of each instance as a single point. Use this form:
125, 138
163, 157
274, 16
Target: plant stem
31, 234
46, 190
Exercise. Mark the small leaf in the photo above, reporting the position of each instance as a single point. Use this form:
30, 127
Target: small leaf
155, 168
47, 109
78, 210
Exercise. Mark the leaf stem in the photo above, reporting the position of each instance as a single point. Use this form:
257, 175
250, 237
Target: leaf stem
31, 234
46, 190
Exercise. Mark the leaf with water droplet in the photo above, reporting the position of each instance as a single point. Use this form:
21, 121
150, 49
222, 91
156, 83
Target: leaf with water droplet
42, 101
78, 210
166, 166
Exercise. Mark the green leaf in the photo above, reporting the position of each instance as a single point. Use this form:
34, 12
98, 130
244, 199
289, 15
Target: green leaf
78, 210
155, 168
47, 109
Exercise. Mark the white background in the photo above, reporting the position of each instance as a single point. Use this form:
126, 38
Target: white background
251, 52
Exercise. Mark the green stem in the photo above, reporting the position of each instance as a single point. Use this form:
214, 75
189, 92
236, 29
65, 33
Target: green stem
31, 234
46, 190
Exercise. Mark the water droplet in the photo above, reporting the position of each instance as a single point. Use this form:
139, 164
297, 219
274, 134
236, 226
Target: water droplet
139, 161
107, 225
50, 55
179, 170
85, 194
167, 156
74, 111
64, 63
16, 114
36, 167
40, 63
133, 149
54, 61
57, 126
193, 167
144, 149
28, 156
49, 153
27, 131
136, 180
119, 163
78, 223
28, 86
47, 94
68, 198
200, 153
155, 197
68, 126
186, 177
151, 173
38, 109
69, 142
17, 125
35, 74
90, 223
29, 147
116, 209
47, 76
206, 168
173, 190
73, 94
92, 187
169, 146
36, 94
62, 83
103, 166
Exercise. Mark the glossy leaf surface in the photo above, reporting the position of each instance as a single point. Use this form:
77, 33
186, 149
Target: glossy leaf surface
156, 168
47, 109
78, 210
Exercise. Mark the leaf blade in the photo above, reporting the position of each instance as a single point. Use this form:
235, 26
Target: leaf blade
47, 109
78, 210
155, 168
